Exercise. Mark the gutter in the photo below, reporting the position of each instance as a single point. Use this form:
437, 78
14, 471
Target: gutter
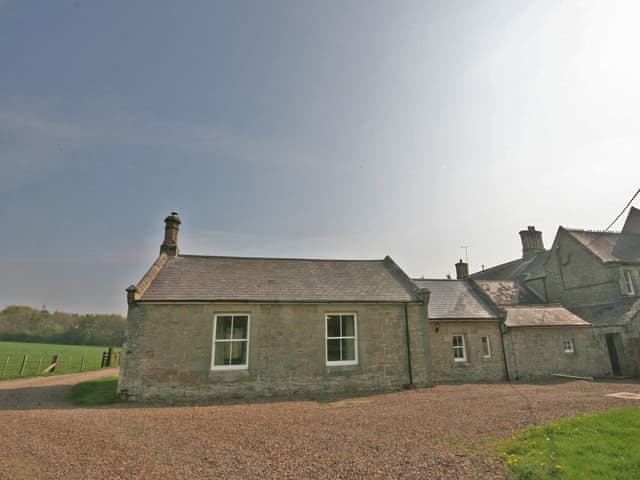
408, 339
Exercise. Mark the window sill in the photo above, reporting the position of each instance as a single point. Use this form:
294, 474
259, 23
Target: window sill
229, 375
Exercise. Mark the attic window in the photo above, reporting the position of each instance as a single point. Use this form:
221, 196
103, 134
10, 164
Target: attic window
628, 283
567, 345
231, 342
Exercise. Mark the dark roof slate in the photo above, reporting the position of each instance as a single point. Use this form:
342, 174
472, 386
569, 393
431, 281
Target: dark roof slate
618, 313
211, 278
455, 299
610, 246
514, 270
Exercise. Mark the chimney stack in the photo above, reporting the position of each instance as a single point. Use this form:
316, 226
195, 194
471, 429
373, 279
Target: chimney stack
462, 270
531, 242
171, 226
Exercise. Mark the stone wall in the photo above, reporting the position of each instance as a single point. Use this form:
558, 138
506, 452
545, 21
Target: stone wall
574, 277
537, 352
476, 368
167, 354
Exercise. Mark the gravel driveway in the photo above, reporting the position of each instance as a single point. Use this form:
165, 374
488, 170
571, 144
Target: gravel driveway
435, 433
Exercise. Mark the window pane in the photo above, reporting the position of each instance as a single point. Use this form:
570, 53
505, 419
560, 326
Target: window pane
240, 327
333, 326
223, 327
348, 327
223, 350
238, 353
348, 349
457, 341
333, 350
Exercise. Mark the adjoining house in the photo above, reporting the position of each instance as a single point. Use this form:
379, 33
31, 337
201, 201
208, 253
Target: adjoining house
596, 276
217, 327
484, 330
465, 331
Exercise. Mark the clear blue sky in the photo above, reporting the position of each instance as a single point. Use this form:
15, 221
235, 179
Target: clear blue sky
333, 129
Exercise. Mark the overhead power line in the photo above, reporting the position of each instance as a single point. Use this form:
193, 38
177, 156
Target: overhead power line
623, 210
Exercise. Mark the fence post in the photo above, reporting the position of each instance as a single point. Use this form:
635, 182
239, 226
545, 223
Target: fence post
82, 362
24, 364
5, 365
40, 364
110, 357
54, 362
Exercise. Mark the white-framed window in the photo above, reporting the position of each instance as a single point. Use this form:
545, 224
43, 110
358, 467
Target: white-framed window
628, 283
459, 351
567, 345
341, 338
486, 347
230, 341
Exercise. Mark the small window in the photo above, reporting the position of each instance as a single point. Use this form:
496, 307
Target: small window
628, 282
230, 342
567, 345
342, 336
486, 347
459, 352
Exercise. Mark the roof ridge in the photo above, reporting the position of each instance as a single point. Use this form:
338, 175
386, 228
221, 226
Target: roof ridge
439, 279
587, 230
236, 257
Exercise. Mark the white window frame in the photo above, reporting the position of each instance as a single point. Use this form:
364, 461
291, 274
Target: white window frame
337, 363
462, 347
567, 345
243, 366
628, 281
486, 353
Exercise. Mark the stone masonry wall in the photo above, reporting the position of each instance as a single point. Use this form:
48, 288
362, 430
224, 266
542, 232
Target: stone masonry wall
537, 352
476, 368
574, 277
167, 354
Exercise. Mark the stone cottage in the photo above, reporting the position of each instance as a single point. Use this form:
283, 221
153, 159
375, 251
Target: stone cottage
220, 327
465, 331
483, 330
593, 274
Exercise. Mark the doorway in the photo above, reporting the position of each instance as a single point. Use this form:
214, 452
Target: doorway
613, 352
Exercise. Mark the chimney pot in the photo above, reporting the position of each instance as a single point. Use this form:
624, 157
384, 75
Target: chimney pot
531, 242
462, 270
170, 244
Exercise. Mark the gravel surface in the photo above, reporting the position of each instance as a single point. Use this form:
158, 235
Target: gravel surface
439, 433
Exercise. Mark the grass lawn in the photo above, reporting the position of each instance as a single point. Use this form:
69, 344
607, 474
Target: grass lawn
39, 357
600, 446
95, 392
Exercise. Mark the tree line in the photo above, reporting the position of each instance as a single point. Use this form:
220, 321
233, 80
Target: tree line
26, 324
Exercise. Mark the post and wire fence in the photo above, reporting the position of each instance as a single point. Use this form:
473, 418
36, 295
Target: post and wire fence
30, 365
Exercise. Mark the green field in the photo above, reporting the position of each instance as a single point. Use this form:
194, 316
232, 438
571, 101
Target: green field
587, 447
71, 358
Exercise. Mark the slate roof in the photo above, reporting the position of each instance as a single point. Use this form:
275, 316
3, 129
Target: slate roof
542, 316
610, 246
214, 278
619, 313
455, 299
506, 292
514, 269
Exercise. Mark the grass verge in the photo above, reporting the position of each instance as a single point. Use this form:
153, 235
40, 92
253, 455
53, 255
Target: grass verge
95, 392
600, 446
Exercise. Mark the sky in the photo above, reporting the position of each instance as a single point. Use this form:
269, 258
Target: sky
333, 129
